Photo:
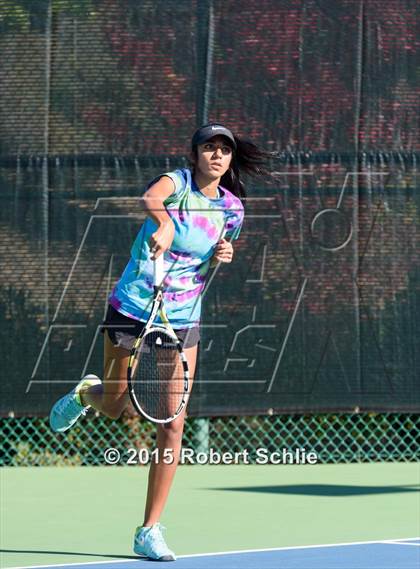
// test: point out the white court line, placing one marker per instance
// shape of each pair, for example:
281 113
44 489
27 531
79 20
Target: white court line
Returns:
403 540
224 553
293 547
402 543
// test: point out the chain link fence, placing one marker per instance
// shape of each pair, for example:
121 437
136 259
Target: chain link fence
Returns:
340 438
85 118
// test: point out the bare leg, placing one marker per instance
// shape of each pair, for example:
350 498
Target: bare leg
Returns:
111 397
160 474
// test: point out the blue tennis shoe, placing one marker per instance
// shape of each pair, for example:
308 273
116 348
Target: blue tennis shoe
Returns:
149 542
68 409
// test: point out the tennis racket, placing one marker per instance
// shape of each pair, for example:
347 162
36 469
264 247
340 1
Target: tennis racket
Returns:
157 373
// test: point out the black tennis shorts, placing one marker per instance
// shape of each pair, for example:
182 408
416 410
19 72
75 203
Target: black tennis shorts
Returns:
123 331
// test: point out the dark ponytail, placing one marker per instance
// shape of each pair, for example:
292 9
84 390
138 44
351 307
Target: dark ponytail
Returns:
247 158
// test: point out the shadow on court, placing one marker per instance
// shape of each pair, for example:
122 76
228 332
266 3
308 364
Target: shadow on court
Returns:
82 553
331 490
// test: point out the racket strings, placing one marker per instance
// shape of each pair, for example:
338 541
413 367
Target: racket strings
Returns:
159 378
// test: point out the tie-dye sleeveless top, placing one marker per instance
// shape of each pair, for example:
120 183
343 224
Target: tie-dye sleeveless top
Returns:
199 224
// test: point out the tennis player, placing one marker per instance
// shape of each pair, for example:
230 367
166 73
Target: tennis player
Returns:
188 212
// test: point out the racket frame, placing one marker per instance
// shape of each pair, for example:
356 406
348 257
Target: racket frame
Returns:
157 308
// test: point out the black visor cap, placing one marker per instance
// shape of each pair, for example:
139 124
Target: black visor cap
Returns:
207 131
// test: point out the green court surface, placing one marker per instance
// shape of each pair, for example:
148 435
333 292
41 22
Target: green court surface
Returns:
53 515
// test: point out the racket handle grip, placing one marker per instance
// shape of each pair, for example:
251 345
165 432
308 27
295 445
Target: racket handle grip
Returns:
158 271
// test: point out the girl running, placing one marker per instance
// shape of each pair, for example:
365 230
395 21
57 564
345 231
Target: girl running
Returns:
188 212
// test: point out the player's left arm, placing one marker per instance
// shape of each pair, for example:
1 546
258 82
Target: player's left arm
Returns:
223 253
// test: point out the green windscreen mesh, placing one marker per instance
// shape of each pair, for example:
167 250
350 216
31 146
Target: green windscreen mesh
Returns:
319 310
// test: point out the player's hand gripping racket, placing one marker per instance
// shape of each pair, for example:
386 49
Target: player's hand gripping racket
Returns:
158 379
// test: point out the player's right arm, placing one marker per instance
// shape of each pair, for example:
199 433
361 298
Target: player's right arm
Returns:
153 203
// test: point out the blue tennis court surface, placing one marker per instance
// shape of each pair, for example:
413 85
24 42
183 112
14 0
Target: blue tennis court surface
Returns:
390 554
